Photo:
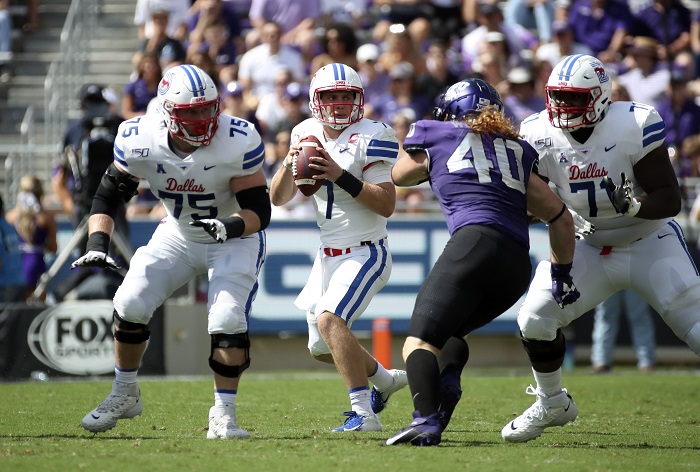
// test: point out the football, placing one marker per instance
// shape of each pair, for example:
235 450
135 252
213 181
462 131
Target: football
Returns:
303 174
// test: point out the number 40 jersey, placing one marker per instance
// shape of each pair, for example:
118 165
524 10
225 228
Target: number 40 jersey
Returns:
479 179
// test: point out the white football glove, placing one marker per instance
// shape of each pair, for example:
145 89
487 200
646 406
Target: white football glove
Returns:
214 227
96 259
582 227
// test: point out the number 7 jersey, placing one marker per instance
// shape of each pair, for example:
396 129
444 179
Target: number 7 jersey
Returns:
628 132
198 185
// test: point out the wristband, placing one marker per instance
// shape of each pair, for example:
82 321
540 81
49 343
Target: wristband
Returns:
285 165
235 226
98 241
560 270
563 209
349 183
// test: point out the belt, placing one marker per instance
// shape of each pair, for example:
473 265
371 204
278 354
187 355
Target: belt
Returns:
330 252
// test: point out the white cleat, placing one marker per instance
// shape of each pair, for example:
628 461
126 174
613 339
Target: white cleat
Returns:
379 398
222 424
368 422
123 402
556 410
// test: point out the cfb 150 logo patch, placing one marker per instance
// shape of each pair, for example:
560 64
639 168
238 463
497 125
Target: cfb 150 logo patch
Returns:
74 337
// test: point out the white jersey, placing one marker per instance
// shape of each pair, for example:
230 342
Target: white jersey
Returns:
367 150
629 131
197 186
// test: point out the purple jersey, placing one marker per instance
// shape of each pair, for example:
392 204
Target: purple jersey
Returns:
479 179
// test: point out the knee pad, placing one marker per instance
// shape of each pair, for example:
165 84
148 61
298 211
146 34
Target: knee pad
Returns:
128 332
545 351
225 341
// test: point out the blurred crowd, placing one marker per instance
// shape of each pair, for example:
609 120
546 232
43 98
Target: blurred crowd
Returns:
264 52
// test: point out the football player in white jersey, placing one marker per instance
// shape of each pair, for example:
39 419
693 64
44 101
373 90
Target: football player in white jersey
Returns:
609 164
353 261
206 168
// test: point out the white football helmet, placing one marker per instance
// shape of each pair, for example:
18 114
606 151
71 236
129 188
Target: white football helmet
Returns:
578 92
190 102
336 77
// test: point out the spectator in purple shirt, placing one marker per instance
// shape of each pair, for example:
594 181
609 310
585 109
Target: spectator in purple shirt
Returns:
668 21
374 79
521 100
139 92
296 18
602 26
402 94
204 11
680 114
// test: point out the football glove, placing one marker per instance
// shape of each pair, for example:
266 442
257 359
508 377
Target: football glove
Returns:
582 227
563 289
96 259
215 228
96 253
223 228
622 196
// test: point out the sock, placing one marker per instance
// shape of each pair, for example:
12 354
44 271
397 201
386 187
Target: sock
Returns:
125 376
359 400
224 397
424 381
548 383
453 356
381 378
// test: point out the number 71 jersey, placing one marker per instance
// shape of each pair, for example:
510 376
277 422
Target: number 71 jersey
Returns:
478 178
628 132
199 185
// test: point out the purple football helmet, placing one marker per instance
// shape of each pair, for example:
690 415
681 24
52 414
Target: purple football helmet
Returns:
464 97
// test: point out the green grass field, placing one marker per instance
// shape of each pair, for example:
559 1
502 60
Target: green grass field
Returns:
627 422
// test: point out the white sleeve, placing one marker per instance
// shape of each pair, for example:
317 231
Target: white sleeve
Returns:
377 173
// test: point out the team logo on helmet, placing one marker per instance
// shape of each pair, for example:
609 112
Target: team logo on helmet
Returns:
600 71
164 84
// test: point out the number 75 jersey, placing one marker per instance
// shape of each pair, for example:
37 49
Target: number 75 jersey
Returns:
628 132
199 185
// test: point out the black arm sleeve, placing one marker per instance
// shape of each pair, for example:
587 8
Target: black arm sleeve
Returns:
115 189
257 200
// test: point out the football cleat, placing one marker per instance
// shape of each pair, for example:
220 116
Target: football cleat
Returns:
379 398
556 410
423 431
222 424
357 422
123 402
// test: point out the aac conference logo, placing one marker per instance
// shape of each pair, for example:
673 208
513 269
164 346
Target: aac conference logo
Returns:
74 337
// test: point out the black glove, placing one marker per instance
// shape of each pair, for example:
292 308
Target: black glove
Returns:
96 253
563 289
622 196
223 228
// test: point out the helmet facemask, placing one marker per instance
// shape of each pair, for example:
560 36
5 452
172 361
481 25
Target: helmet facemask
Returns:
195 124
572 108
337 78
326 112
